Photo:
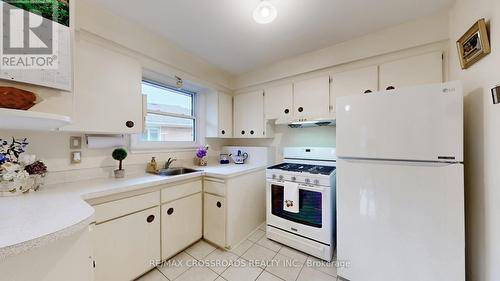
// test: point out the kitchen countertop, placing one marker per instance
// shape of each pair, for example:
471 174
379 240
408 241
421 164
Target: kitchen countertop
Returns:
32 220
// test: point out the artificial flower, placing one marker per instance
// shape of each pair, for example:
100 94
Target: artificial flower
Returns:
27 159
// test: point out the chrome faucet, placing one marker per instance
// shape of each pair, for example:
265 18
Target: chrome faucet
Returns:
169 162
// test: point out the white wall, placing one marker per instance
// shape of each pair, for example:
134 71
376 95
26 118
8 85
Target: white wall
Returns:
285 136
53 149
91 17
410 39
155 54
482 138
405 36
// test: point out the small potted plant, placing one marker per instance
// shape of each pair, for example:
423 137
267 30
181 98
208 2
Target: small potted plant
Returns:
201 153
119 154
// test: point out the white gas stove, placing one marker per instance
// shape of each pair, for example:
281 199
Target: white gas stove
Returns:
312 228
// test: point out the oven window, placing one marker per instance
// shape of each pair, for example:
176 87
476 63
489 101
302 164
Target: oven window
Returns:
310 212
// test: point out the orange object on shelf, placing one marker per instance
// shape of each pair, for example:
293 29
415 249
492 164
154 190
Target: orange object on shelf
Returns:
14 98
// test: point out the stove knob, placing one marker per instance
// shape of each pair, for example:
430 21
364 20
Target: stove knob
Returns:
316 181
281 177
273 176
294 178
308 180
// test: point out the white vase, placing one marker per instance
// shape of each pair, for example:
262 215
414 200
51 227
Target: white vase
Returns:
202 161
10 188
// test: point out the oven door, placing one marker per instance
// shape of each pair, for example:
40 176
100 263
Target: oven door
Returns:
315 217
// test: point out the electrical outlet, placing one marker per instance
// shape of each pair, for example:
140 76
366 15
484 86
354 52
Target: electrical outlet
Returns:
76 157
75 142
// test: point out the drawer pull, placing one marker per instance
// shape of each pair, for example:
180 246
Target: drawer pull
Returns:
219 204
287 111
252 132
390 88
243 132
223 132
170 211
367 91
150 218
301 109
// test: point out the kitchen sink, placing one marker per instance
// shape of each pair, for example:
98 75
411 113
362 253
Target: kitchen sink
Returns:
176 171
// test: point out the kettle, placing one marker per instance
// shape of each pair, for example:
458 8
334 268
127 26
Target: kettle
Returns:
239 158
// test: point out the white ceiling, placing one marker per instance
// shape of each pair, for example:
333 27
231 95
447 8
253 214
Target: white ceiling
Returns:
224 33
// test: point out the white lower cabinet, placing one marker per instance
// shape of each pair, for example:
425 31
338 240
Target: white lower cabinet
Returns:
126 247
181 224
68 258
233 207
214 219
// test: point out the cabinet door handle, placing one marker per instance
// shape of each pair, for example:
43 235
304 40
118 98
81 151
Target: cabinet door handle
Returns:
219 204
287 111
170 211
252 132
243 132
367 92
129 124
223 132
301 109
390 88
150 218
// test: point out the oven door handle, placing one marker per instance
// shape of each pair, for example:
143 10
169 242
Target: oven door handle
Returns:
319 188
313 188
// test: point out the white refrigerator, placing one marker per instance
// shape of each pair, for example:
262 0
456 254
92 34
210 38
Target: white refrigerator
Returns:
400 186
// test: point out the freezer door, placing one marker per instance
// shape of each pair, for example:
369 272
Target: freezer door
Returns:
400 221
419 123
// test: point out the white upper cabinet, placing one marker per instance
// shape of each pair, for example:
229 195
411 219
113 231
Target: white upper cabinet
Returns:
219 115
311 98
278 102
107 90
353 82
417 70
249 115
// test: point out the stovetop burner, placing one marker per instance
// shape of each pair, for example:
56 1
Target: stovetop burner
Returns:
303 168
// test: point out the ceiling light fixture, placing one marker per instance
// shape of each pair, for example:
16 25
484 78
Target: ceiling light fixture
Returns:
265 12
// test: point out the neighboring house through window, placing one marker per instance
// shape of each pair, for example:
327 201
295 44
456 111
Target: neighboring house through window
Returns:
170 118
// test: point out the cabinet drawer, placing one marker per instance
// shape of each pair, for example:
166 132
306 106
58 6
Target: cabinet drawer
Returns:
182 190
214 187
118 208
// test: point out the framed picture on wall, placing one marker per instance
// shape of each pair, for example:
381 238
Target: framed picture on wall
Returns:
474 44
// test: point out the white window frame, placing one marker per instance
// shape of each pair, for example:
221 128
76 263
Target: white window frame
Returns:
138 145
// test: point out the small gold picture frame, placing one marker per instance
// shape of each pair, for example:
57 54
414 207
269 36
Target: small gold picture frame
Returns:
474 44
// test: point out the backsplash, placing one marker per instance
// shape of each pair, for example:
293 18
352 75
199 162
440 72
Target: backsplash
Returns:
53 149
285 136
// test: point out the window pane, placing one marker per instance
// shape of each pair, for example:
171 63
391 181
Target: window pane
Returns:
166 128
167 100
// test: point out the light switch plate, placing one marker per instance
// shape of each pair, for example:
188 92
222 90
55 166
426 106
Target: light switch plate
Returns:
76 157
75 142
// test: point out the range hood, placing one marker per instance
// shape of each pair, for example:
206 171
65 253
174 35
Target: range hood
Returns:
312 123
328 120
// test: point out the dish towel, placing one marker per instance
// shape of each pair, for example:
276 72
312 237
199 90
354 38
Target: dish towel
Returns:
291 197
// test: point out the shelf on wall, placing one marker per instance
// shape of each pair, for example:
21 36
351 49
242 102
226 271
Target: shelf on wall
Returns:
31 120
